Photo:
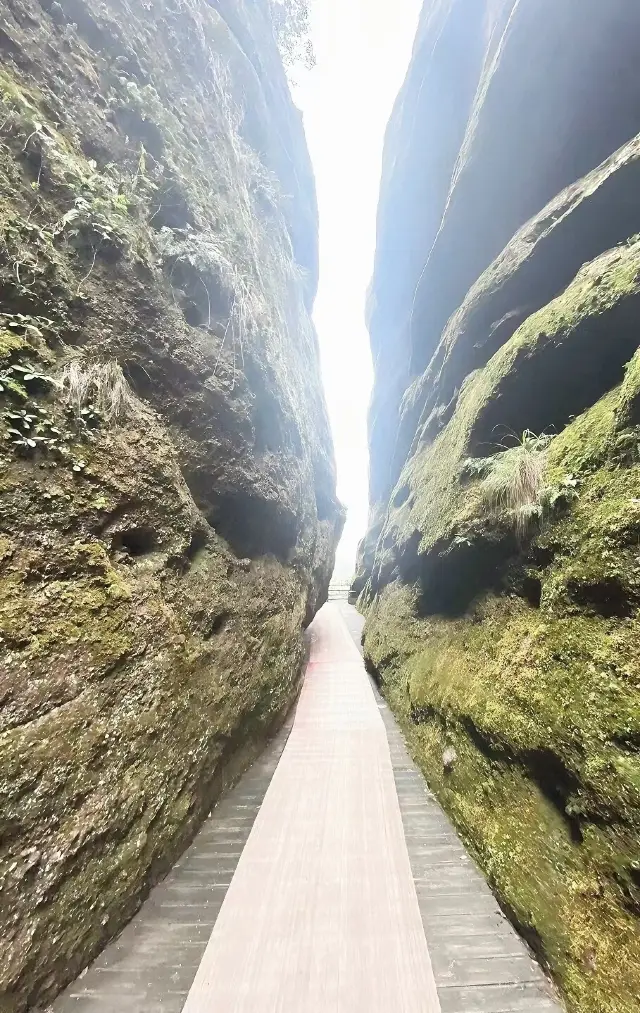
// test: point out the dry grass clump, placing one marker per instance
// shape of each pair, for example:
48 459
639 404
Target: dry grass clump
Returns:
98 385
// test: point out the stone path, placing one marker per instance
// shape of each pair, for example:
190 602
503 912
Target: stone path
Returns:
347 889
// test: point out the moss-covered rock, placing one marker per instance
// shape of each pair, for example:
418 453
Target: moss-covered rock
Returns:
167 490
537 689
500 575
437 520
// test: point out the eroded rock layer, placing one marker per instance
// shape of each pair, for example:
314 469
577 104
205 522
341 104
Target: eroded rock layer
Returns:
167 493
501 574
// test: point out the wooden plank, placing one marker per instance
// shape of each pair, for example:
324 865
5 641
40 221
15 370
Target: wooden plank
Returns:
333 879
466 969
529 998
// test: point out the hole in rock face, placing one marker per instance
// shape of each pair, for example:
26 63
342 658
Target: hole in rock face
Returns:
451 579
198 541
139 541
629 880
541 556
92 148
194 314
607 597
170 207
181 561
401 496
531 590
215 625
202 300
254 527
557 783
138 378
325 506
134 125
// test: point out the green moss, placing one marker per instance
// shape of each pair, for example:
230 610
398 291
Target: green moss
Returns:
82 611
534 678
629 406
436 505
523 697
11 346
543 707
19 98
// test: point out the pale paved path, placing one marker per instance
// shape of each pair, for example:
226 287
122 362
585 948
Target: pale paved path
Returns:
307 874
322 914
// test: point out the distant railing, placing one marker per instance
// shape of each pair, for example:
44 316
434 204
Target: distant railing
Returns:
339 590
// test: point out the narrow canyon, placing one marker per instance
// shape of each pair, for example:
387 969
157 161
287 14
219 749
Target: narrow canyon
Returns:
169 516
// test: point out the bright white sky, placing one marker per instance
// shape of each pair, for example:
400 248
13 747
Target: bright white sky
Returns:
363 49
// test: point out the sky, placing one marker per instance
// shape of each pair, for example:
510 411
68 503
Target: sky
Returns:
363 49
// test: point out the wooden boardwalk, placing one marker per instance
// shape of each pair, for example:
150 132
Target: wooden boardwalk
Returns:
346 889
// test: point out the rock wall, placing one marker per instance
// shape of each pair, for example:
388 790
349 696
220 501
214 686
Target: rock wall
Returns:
500 574
168 516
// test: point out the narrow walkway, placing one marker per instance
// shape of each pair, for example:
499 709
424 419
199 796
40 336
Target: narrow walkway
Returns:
349 890
322 914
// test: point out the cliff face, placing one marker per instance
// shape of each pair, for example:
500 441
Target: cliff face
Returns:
500 574
167 493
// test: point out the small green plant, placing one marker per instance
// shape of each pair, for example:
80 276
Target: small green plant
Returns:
32 327
9 383
89 223
21 440
559 495
33 427
19 380
25 435
30 375
89 218
106 211
92 394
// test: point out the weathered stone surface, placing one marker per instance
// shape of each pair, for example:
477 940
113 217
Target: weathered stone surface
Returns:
500 576
173 527
505 104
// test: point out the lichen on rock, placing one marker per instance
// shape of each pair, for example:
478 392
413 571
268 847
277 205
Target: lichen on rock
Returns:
500 576
167 487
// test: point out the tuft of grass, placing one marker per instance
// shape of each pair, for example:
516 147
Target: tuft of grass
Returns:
514 481
98 385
